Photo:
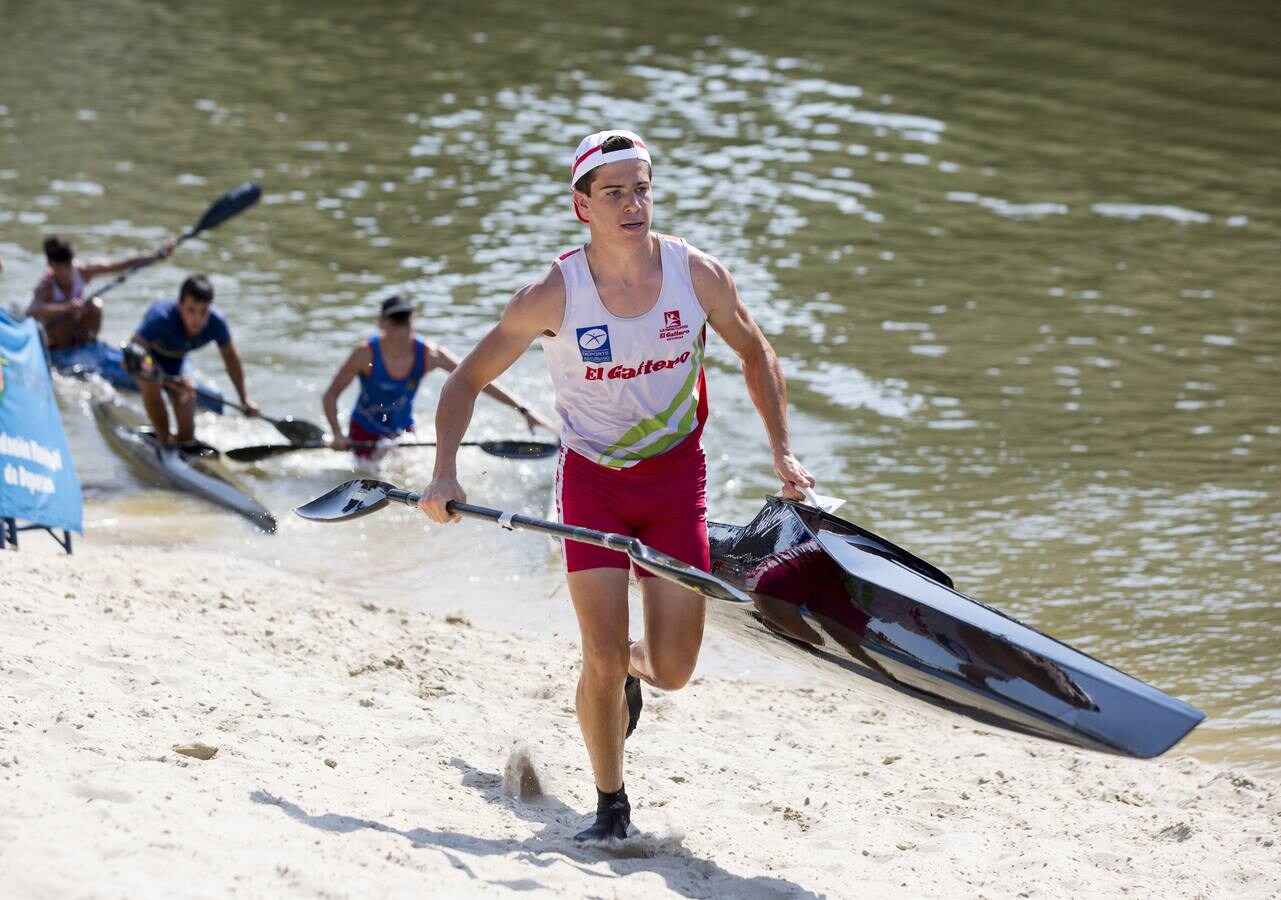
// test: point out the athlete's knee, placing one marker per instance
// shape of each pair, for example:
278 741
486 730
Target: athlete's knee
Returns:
670 673
605 662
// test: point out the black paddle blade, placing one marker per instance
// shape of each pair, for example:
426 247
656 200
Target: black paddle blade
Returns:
299 431
673 569
265 451
232 203
520 449
347 501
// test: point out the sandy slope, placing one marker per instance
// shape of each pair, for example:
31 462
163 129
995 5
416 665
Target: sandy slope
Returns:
363 752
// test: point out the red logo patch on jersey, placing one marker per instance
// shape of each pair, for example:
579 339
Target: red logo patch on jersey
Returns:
672 329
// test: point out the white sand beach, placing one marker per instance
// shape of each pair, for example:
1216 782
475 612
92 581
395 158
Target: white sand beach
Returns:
365 751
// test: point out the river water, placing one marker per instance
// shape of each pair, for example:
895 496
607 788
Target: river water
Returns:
1021 263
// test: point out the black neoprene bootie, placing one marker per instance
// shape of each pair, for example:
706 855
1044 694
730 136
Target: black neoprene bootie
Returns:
613 817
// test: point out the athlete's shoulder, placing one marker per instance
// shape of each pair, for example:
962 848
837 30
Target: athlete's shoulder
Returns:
217 317
546 290
713 285
161 310
539 306
710 276
361 356
44 287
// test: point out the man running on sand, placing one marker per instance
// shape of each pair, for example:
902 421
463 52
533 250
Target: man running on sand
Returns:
622 321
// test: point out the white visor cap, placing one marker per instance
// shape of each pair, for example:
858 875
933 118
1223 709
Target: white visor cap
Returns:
588 156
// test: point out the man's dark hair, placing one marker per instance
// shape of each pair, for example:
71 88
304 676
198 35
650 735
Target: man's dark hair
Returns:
197 287
612 143
58 249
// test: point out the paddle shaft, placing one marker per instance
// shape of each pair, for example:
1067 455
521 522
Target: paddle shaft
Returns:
527 449
229 204
207 393
619 542
296 430
129 273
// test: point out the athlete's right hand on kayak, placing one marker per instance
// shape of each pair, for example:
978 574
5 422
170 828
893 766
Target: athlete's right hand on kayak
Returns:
436 495
794 476
339 441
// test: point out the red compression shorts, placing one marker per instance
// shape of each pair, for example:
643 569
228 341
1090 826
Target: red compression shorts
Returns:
660 500
358 434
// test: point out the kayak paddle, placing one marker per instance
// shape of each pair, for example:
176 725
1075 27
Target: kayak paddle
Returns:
235 201
232 203
138 362
363 496
505 449
296 431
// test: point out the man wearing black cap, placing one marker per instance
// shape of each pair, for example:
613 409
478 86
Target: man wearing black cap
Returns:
390 366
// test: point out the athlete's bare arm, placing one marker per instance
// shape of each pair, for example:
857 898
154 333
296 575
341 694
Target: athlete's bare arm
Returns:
441 358
358 361
765 384
536 309
95 267
236 372
42 306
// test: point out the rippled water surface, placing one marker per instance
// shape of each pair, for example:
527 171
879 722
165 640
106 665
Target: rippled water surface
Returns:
1021 265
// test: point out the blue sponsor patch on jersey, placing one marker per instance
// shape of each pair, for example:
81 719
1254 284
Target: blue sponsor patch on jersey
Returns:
593 344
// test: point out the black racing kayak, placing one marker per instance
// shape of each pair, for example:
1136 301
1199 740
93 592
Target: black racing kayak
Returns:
193 470
829 593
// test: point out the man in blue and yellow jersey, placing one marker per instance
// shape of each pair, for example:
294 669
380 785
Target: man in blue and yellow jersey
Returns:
170 330
390 367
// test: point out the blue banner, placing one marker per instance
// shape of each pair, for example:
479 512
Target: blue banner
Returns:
38 480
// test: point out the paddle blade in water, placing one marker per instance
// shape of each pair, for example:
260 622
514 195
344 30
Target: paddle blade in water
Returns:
298 431
520 449
347 501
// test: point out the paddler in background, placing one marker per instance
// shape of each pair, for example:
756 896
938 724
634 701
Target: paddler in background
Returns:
170 330
391 366
59 301
622 324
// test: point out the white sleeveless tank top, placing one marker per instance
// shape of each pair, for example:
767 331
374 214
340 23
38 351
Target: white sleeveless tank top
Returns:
629 388
77 285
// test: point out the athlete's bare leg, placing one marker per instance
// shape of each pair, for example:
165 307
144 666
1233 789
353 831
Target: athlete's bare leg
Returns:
153 401
600 602
184 410
674 617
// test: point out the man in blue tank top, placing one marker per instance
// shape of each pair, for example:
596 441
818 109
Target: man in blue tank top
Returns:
170 330
391 366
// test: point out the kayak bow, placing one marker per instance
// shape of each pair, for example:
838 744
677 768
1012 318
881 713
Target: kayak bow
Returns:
832 595
129 434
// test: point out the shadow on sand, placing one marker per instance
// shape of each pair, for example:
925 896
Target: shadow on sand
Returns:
665 856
